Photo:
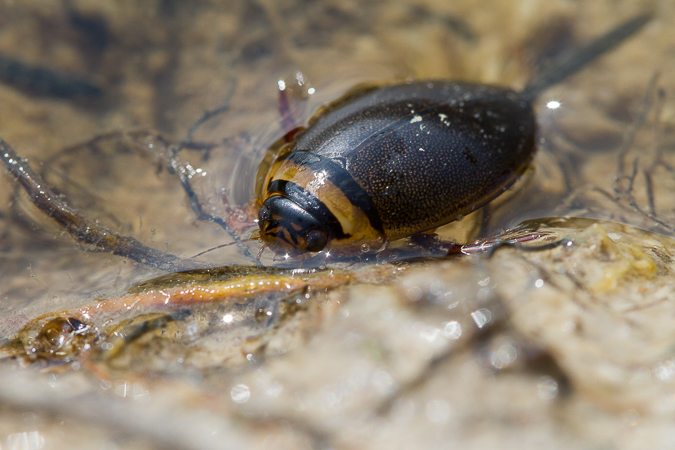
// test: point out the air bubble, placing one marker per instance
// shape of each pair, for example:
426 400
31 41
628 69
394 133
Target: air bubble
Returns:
240 393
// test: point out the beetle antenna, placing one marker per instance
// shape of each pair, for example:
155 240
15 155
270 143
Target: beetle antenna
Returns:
222 246
571 62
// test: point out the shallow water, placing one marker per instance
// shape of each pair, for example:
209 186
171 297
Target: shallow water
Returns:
606 140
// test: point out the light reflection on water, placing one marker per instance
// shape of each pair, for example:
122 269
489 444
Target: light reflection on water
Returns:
135 391
28 440
665 370
438 411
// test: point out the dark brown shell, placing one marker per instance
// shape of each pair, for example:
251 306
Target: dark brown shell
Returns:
425 152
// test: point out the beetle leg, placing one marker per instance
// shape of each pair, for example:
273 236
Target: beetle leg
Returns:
79 227
433 246
572 62
287 122
529 248
486 213
299 88
490 247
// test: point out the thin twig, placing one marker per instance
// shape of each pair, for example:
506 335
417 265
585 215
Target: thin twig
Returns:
83 230
207 115
633 202
650 192
637 124
184 176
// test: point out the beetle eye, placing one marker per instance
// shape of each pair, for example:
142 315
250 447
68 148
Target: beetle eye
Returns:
316 241
265 215
289 228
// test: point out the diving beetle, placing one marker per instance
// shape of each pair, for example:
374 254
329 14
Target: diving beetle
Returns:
383 163
379 164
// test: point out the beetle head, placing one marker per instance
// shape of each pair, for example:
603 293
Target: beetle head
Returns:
288 228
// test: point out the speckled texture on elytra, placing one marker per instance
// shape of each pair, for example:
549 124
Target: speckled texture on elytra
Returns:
427 152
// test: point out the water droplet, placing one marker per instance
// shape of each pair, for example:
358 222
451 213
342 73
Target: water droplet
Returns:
240 393
481 317
452 330
547 388
504 356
